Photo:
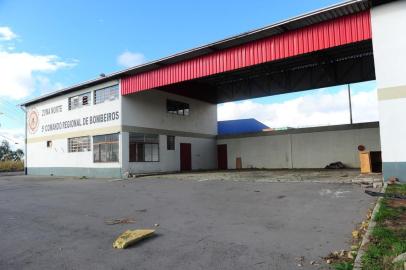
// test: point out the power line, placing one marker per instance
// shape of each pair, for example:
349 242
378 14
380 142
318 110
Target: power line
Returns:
7 138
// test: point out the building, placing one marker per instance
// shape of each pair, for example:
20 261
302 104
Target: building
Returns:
161 116
240 126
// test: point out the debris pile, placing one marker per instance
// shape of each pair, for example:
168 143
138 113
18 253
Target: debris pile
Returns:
335 165
341 256
119 221
392 180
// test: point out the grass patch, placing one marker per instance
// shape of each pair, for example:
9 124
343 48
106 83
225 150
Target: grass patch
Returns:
387 213
343 266
11 166
388 238
396 189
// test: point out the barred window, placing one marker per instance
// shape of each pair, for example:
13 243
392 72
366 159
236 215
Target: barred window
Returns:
144 147
170 142
106 94
105 148
177 107
79 144
79 101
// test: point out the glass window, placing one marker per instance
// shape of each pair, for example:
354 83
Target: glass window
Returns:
79 101
144 147
177 107
106 94
170 142
105 148
79 144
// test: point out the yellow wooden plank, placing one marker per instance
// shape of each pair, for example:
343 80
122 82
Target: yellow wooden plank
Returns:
130 237
365 161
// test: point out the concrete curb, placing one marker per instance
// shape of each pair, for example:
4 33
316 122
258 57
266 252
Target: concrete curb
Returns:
365 239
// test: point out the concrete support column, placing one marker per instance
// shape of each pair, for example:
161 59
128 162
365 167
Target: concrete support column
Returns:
389 44
124 151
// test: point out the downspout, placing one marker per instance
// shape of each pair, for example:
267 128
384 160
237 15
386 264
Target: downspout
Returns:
25 140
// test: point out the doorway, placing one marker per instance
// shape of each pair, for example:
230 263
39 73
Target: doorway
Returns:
185 157
222 157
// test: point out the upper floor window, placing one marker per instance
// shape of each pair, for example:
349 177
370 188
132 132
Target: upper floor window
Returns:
177 107
79 144
105 94
79 101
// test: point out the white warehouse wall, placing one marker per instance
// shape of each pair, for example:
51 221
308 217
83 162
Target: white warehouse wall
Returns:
303 148
389 43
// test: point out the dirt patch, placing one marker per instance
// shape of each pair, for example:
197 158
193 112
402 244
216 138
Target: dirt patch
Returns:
397 203
399 222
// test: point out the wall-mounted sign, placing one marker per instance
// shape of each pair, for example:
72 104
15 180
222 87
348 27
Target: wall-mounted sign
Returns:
84 121
52 110
33 121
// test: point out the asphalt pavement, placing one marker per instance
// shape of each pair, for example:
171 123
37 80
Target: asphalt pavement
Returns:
59 223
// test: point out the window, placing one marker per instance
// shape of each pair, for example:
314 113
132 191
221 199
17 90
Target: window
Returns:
170 142
79 144
177 107
105 94
49 144
79 101
144 147
105 148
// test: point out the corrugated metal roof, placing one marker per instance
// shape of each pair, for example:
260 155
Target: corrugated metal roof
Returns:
239 126
335 11
316 37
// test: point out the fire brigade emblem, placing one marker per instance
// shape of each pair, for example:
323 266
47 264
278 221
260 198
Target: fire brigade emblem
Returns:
33 121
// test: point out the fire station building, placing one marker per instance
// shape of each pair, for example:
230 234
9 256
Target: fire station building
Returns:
162 116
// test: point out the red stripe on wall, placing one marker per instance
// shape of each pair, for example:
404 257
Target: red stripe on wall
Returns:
337 32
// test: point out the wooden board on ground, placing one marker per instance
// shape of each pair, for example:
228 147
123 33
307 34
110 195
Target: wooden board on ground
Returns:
131 237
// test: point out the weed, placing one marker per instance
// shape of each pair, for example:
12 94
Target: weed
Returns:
388 238
396 189
343 266
386 212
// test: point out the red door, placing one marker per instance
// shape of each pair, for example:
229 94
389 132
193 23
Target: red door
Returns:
222 156
185 157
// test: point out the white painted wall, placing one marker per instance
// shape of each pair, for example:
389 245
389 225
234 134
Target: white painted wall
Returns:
389 44
302 150
40 156
203 155
148 109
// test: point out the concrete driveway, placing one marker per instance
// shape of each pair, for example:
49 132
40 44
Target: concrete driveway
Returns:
57 223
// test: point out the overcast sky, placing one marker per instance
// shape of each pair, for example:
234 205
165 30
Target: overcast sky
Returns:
53 44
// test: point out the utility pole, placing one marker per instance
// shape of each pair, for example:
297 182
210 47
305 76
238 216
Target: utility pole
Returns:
349 102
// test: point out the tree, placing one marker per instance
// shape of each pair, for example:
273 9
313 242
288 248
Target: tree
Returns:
19 154
6 153
4 149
